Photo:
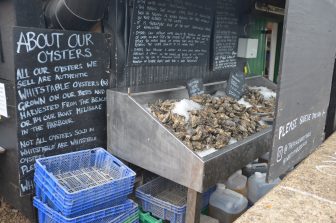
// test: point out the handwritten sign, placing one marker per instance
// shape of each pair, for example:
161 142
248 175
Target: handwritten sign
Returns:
61 80
226 35
195 87
170 31
236 85
303 96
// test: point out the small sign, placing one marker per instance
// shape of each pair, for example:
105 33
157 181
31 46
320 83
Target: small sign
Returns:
195 87
236 85
3 101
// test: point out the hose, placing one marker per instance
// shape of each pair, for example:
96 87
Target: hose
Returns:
74 14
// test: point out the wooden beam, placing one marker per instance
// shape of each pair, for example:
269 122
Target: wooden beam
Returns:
193 206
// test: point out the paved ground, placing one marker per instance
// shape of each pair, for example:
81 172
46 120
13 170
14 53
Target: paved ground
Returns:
307 194
10 215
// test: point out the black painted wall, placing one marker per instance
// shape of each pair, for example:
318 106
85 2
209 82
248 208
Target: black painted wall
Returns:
13 13
331 116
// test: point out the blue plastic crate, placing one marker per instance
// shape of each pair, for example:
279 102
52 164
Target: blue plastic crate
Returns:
47 195
133 219
48 215
167 200
78 181
90 206
206 197
45 185
130 216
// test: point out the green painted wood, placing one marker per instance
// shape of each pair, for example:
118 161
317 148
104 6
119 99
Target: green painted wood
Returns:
256 31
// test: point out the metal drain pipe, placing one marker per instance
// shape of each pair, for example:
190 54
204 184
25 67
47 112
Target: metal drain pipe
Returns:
74 14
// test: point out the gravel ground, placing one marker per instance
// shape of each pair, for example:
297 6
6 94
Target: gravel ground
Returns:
10 215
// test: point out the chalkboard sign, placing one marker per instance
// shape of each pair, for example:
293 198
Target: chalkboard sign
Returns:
236 85
305 84
226 35
168 32
61 81
195 87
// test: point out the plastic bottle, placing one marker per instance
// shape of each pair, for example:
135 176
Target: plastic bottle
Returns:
237 182
258 187
226 205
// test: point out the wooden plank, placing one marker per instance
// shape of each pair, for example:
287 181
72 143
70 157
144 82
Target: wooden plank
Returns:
193 206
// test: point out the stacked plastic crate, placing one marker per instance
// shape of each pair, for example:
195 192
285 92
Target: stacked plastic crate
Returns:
86 186
167 200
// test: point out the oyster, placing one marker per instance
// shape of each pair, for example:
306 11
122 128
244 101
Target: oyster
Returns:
221 141
164 118
178 121
197 145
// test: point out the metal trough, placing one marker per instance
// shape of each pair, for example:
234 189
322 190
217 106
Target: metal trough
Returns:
136 136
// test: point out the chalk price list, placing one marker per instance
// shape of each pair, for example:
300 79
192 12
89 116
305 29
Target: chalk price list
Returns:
170 31
61 97
226 35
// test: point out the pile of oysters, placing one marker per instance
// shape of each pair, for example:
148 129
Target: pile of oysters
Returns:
219 121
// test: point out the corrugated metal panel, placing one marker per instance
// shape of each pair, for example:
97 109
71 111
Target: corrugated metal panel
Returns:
154 75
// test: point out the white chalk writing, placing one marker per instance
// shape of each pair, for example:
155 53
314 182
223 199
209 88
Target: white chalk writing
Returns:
60 92
170 32
226 35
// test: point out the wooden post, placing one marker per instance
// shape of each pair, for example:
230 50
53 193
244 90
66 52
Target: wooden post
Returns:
193 207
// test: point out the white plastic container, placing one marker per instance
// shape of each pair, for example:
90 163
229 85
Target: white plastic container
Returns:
226 205
257 186
237 182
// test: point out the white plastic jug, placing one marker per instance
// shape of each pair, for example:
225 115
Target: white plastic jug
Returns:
258 187
226 205
237 182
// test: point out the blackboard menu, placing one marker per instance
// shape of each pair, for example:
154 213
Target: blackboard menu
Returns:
169 32
305 84
226 35
236 85
61 80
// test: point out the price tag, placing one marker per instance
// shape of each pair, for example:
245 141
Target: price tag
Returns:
195 87
236 85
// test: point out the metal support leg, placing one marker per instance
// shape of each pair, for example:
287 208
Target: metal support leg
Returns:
193 207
